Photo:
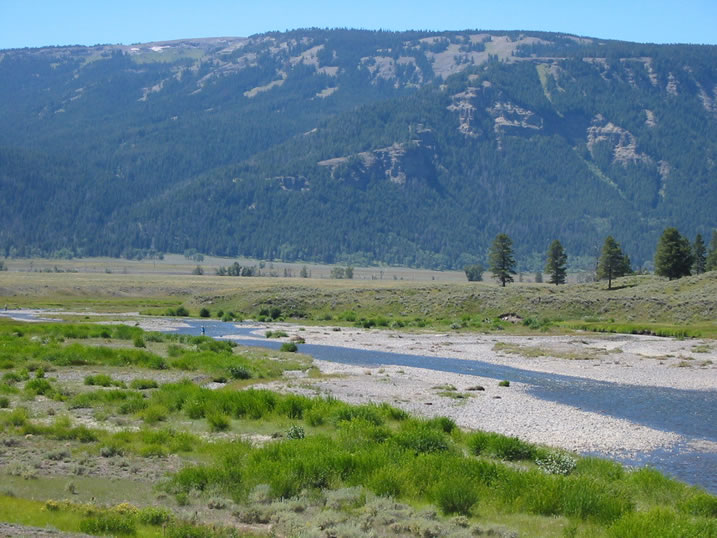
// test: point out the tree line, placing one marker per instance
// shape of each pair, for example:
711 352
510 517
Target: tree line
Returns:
675 257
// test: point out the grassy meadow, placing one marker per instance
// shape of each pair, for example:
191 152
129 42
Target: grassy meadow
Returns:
637 304
110 430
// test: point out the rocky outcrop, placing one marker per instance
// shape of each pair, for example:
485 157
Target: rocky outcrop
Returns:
506 115
398 163
622 142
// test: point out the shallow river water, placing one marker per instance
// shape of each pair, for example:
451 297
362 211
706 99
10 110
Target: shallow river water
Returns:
691 414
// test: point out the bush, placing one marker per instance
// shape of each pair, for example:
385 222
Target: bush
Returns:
218 422
181 311
456 495
386 482
276 334
154 414
4 402
152 515
512 448
557 463
443 424
143 384
421 438
504 383
139 342
289 347
239 372
39 386
295 432
102 380
112 524
205 313
507 448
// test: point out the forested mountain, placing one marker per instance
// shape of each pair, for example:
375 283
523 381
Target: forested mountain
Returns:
411 148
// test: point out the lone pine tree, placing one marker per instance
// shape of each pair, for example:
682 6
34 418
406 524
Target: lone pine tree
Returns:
502 262
613 262
556 265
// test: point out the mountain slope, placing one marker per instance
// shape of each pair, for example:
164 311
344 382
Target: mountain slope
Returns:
410 148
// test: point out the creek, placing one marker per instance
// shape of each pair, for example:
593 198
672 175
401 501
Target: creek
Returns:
688 413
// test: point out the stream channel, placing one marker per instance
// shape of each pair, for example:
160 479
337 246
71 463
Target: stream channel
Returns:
692 414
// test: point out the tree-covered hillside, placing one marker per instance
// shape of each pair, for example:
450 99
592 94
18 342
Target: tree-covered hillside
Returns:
408 148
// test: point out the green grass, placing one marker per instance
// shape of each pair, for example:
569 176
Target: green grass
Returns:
638 303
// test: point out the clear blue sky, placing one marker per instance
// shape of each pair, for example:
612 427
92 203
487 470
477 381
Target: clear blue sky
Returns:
35 23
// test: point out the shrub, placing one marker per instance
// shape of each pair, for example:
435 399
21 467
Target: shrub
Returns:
276 334
512 448
295 432
504 383
154 414
39 386
386 482
218 422
349 315
479 442
205 313
507 448
113 524
421 438
111 451
456 495
4 402
139 342
239 372
557 463
587 498
101 380
153 515
443 424
181 311
600 468
289 347
143 384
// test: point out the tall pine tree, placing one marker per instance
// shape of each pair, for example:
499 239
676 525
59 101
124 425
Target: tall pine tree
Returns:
556 263
502 263
613 263
673 257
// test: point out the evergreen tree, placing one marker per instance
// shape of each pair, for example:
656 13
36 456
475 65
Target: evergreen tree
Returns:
502 263
613 262
699 253
711 262
556 263
673 257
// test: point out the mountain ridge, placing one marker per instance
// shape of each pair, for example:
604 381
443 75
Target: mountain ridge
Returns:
411 148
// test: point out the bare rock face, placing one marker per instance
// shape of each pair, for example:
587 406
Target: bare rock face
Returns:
398 163
507 116
622 141
463 104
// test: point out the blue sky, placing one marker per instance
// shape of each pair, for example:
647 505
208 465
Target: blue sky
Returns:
35 23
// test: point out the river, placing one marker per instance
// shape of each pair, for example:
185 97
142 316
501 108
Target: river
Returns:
688 413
